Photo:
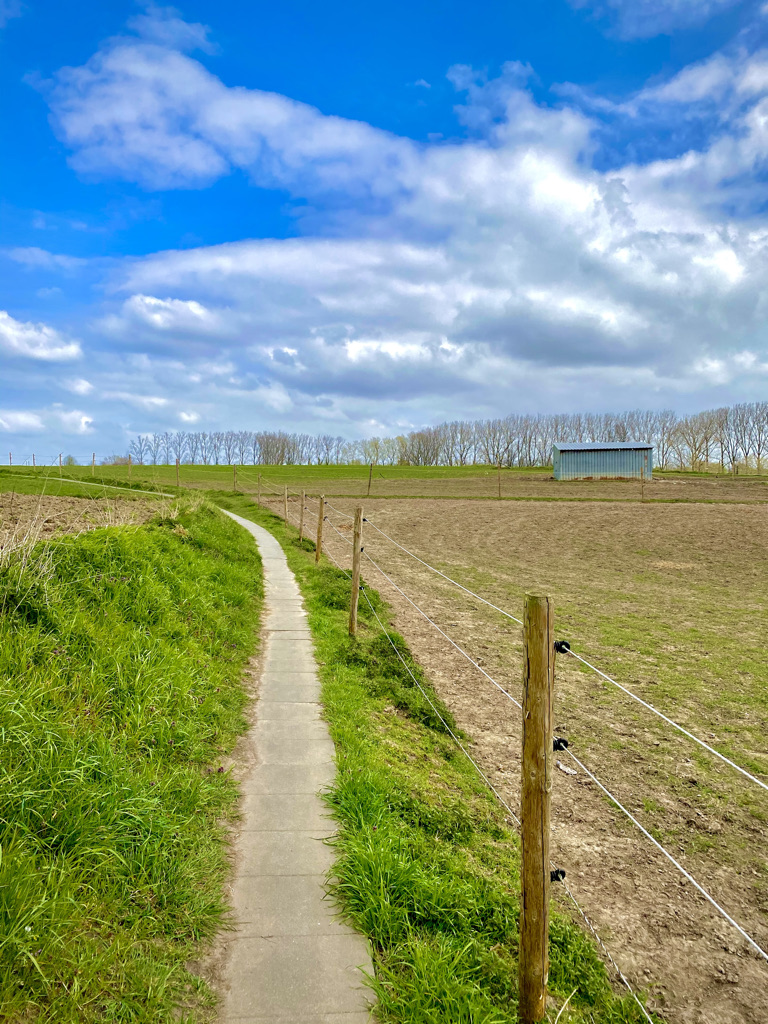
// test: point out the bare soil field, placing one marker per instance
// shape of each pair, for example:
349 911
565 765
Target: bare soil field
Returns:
671 600
32 517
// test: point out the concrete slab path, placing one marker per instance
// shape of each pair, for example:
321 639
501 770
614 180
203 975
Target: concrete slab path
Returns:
290 959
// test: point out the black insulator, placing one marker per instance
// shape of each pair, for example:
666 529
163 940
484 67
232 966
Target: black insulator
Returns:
557 875
562 646
559 743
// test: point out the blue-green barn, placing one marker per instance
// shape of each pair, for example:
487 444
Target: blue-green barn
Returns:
576 460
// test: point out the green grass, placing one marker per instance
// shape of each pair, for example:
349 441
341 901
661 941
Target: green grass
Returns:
47 481
121 654
427 867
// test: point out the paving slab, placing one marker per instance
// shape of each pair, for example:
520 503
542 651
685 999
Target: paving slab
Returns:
290 958
289 778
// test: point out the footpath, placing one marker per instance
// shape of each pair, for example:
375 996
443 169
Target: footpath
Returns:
290 960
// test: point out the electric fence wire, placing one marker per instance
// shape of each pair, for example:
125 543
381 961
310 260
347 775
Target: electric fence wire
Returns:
337 511
442 632
439 573
669 857
620 974
447 728
477 768
670 721
624 689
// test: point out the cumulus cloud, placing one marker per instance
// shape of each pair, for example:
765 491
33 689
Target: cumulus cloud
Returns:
548 256
20 422
78 386
35 341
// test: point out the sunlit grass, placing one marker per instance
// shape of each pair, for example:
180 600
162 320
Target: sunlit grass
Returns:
121 653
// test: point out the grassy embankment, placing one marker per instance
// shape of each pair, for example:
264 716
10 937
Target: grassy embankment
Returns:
428 867
121 653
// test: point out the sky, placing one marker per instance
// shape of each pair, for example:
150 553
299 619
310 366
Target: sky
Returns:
363 219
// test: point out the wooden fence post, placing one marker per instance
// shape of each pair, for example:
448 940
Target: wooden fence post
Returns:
536 788
301 516
499 481
357 550
130 465
285 503
177 473
60 454
258 491
234 478
319 541
93 464
370 477
33 461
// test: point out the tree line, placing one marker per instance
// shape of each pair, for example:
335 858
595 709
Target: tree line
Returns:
733 438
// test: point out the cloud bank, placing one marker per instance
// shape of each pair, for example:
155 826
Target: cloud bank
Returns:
555 253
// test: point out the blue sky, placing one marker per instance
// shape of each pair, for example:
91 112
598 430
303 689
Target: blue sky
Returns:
350 220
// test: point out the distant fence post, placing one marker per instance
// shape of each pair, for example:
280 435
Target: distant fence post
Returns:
536 787
258 491
60 454
10 458
130 465
320 516
301 516
285 503
234 478
370 478
93 464
33 461
357 550
177 473
499 480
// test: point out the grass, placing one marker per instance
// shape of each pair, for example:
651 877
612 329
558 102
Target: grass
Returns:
428 867
121 654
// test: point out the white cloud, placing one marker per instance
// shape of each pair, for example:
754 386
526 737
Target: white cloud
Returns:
20 422
78 386
73 421
460 278
640 19
40 259
35 341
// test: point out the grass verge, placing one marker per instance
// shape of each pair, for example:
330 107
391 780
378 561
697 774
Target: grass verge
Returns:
428 867
121 654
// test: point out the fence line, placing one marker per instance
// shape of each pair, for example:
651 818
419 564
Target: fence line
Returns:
634 696
669 857
720 910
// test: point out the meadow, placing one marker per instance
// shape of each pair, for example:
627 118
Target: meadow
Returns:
662 588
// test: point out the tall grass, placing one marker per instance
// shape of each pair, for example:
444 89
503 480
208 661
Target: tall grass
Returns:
120 689
428 866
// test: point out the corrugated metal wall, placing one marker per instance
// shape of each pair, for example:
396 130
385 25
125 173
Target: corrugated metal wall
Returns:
603 462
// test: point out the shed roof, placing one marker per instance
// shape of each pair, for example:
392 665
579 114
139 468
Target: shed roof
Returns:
592 446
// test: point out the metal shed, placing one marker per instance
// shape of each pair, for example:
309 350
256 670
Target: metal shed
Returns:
573 460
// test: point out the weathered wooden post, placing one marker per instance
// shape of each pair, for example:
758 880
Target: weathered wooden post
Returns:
60 454
10 458
34 464
93 463
357 550
130 464
285 503
234 478
301 516
177 473
536 788
258 491
320 517
370 478
499 481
